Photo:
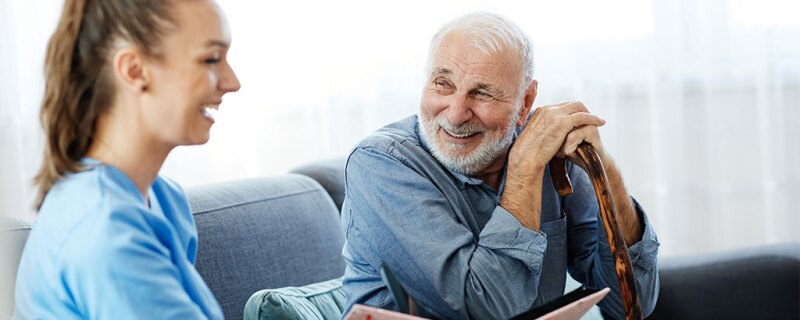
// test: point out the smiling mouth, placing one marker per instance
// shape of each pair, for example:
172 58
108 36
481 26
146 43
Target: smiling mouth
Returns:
460 135
210 111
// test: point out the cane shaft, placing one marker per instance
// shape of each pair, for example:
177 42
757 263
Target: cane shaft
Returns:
622 261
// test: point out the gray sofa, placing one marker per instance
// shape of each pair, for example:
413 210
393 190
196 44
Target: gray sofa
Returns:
284 231
253 234
265 233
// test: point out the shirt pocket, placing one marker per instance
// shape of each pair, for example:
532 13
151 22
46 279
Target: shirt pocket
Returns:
555 228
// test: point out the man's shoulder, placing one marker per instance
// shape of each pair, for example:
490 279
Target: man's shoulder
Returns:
400 133
396 143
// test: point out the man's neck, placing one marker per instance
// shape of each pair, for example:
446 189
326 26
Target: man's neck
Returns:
493 173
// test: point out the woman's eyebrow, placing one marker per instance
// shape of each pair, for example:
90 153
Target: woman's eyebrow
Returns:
218 43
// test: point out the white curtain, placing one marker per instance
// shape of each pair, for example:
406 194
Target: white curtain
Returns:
702 98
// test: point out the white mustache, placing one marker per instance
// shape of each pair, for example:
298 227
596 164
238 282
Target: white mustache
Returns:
463 129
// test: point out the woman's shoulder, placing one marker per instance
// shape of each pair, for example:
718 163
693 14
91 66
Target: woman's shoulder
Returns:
100 197
168 186
80 209
94 186
173 203
103 199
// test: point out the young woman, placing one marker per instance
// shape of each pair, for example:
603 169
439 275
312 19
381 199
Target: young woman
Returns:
126 82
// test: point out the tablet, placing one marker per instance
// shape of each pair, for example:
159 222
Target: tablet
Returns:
363 312
572 311
571 306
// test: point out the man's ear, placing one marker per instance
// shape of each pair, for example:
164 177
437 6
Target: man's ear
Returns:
131 71
530 95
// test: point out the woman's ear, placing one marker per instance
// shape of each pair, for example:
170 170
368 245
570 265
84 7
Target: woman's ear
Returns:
131 71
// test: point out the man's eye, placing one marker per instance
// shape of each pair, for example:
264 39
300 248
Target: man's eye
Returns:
440 83
484 94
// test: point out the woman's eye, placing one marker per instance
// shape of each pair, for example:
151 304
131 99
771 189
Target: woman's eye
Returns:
213 60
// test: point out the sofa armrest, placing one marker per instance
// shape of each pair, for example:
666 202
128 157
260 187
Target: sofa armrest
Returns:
13 234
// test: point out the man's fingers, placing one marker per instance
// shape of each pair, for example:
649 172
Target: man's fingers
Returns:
575 137
576 106
562 109
536 112
562 103
572 141
581 119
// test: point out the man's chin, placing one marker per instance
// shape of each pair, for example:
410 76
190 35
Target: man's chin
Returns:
459 163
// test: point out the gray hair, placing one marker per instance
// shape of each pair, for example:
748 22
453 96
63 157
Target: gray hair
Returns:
490 33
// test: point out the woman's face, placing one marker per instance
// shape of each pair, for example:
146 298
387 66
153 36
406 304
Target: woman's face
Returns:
191 76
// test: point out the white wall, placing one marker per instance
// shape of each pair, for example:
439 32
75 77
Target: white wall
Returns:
702 98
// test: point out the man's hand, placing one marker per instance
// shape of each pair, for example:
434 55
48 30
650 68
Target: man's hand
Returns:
542 138
555 130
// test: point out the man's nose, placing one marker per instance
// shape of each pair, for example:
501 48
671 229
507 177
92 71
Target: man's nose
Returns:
458 110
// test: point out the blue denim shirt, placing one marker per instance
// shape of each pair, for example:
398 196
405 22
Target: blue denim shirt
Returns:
457 251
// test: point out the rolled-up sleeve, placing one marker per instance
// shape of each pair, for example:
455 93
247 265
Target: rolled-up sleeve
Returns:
590 258
397 215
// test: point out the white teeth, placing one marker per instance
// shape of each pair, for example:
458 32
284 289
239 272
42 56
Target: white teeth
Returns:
210 111
460 136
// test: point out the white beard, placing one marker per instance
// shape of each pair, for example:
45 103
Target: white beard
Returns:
494 144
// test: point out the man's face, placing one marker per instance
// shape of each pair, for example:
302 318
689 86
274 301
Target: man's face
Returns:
470 104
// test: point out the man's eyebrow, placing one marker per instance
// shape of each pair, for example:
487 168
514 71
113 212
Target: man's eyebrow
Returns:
217 43
441 71
487 87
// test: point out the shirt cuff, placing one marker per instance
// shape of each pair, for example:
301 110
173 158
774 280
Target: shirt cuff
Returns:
645 252
504 234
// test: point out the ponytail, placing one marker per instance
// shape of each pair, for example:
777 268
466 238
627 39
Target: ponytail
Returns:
78 80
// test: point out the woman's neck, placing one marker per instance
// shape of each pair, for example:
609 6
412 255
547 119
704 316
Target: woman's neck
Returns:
122 145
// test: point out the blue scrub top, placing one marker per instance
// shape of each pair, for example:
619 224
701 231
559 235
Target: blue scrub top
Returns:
98 251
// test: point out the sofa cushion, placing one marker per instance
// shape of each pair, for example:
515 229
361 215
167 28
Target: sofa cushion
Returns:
265 233
318 301
330 174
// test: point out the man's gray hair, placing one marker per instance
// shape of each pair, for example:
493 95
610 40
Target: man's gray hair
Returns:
490 33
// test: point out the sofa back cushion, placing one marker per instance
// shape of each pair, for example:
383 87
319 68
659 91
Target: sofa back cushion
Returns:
330 174
265 233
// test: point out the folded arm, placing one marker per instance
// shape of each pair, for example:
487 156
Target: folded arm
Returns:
591 262
399 216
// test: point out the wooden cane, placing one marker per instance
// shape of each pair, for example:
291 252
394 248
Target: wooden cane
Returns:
622 262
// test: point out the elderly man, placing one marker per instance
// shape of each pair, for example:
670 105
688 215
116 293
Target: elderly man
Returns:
459 201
